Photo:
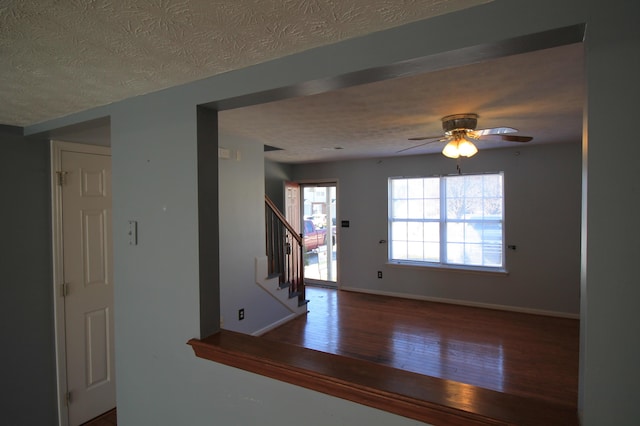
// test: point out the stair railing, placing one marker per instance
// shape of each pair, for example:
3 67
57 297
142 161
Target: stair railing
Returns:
285 251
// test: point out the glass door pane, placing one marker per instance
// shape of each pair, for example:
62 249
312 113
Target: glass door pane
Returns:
319 231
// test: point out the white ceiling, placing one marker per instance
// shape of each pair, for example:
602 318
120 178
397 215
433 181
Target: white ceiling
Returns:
538 93
61 57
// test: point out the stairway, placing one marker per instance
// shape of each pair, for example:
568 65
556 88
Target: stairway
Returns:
280 292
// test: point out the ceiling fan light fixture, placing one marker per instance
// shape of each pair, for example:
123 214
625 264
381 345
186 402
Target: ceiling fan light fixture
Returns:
467 148
461 134
451 149
460 145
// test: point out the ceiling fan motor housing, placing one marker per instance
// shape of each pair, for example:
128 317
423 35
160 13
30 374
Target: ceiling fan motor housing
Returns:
465 122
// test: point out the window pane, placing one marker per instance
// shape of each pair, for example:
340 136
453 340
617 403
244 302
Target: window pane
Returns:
414 188
414 251
399 188
473 254
415 231
455 232
455 253
492 254
415 209
455 208
491 232
432 188
399 209
432 208
399 250
493 185
431 252
399 231
473 186
473 207
473 232
454 186
432 232
493 208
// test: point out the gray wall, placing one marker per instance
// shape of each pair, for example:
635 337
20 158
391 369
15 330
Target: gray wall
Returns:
275 174
159 380
156 283
27 358
542 218
242 230
610 326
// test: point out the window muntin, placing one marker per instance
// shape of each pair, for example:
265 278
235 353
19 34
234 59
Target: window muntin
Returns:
447 220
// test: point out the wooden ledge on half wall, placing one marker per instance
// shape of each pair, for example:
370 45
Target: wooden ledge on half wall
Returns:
427 399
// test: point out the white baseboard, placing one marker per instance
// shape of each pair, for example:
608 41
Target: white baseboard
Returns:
466 303
276 324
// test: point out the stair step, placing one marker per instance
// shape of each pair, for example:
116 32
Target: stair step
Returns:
302 303
284 285
294 294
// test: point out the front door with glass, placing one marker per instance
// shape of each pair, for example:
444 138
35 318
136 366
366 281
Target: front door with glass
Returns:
319 231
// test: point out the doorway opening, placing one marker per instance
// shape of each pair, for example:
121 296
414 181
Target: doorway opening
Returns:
318 224
83 281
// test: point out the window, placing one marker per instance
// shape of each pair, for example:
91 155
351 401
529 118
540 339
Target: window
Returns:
452 221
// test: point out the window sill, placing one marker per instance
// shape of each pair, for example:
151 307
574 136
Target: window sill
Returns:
447 268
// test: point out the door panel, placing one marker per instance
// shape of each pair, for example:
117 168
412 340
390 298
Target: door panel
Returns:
97 347
94 250
88 304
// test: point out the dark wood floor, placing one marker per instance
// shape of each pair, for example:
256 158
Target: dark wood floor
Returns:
526 355
110 418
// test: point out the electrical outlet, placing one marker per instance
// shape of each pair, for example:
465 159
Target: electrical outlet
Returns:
240 314
379 274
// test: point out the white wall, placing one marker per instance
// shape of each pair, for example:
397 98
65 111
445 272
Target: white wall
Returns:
542 219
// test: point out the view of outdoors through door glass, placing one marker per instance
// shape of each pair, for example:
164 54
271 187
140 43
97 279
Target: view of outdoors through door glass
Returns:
319 232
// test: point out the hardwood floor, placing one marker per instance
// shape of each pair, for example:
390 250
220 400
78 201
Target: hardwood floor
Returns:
519 354
110 418
526 358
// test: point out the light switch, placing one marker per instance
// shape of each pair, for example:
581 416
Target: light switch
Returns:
133 233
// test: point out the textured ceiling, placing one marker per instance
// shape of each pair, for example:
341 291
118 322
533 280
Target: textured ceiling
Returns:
61 57
539 93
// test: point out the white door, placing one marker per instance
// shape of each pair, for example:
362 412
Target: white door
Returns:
292 204
88 284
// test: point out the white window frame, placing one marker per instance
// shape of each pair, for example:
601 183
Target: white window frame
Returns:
442 222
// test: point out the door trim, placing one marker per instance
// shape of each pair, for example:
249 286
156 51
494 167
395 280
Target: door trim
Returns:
57 148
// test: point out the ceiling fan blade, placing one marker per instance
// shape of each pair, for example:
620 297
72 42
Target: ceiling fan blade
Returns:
494 131
422 144
508 138
422 138
514 138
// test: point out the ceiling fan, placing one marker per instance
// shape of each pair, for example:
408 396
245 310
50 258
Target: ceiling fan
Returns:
460 133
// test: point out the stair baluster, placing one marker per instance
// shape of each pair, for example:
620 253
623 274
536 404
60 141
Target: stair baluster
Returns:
285 251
